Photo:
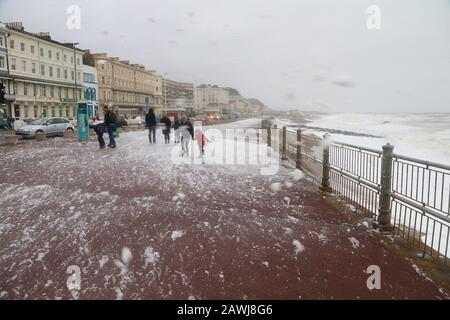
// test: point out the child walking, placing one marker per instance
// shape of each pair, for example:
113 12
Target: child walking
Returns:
201 141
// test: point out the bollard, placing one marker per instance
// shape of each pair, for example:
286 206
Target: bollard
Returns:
298 162
384 217
284 145
11 139
326 164
68 134
41 136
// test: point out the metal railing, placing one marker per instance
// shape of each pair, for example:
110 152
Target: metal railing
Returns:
409 196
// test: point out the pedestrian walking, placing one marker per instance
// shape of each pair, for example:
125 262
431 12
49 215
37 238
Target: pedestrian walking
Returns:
166 130
110 124
99 128
201 141
176 128
187 133
10 121
150 121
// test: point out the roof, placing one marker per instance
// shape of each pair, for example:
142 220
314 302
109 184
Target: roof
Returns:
43 36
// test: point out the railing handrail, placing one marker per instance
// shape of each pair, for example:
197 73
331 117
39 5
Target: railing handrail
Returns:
352 178
378 152
420 206
424 162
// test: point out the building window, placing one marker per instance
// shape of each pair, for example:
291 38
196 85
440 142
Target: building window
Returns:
25 89
65 74
1 41
52 91
50 71
58 72
22 46
42 52
13 64
71 60
2 62
72 74
49 54
59 92
42 70
57 56
32 49
11 44
65 58
33 67
35 90
24 66
78 61
78 76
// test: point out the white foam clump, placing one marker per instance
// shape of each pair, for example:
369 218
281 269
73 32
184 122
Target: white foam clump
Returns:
299 248
151 256
355 242
126 255
275 187
179 196
297 175
103 261
177 234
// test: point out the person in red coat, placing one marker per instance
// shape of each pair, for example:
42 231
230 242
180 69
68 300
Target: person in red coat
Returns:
201 141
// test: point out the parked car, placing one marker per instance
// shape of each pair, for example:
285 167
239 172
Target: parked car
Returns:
51 126
201 118
27 121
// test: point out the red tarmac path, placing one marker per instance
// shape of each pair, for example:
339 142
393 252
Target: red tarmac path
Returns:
142 227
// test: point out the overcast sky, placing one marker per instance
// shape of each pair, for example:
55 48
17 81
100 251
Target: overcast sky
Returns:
304 54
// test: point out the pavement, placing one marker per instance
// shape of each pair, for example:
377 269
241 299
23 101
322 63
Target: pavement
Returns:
141 225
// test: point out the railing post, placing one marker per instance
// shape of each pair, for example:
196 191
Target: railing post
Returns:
326 164
276 138
284 145
298 162
384 217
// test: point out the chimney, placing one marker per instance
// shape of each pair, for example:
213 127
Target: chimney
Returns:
15 25
43 35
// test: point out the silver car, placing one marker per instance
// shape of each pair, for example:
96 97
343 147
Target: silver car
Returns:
51 126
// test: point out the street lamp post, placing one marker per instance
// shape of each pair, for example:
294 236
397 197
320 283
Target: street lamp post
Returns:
75 64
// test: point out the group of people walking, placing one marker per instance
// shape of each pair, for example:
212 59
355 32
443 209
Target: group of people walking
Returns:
184 130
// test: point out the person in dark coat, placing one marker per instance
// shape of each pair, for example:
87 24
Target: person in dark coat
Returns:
150 121
167 126
99 128
10 121
187 133
176 127
110 125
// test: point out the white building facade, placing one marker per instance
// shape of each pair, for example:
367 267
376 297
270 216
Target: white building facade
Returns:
211 99
47 74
